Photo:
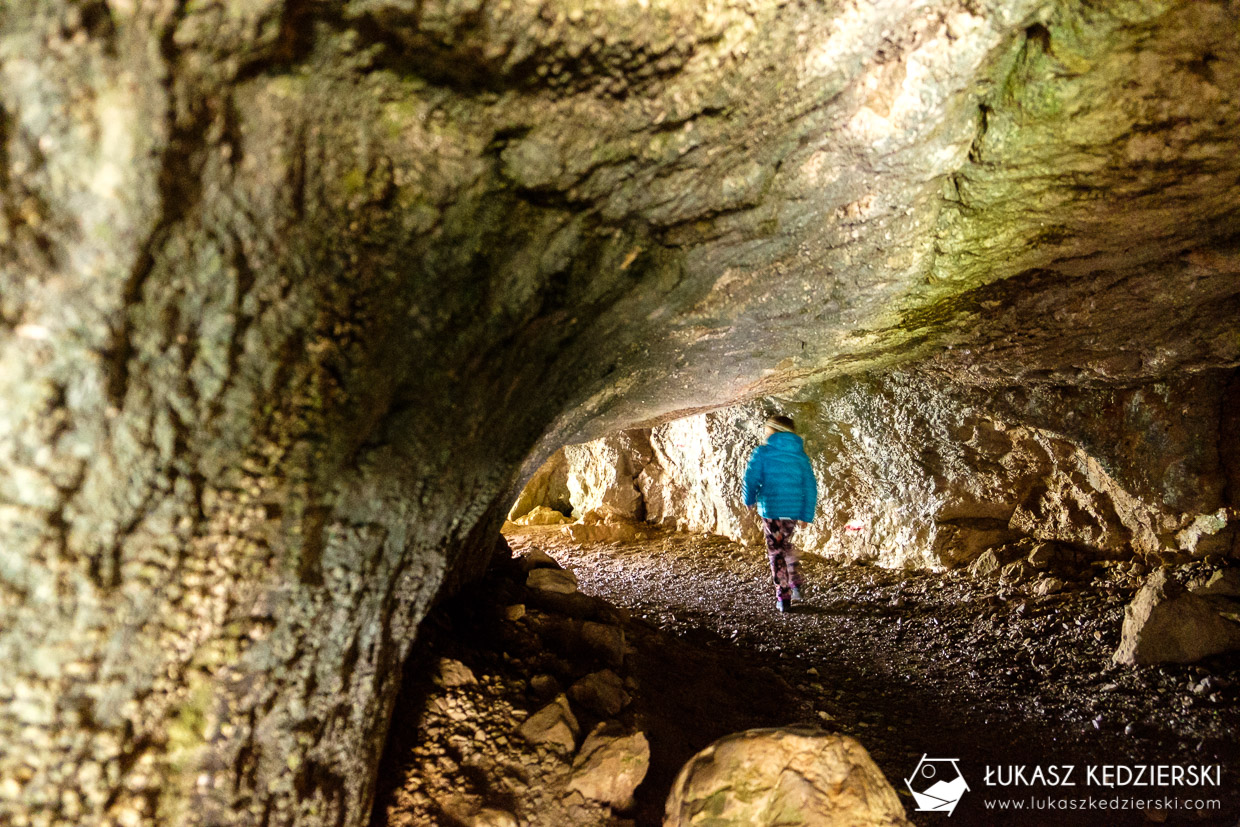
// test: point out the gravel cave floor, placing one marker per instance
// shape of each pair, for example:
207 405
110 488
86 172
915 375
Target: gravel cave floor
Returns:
908 663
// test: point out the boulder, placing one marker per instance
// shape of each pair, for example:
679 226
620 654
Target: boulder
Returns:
1167 624
986 565
536 558
545 686
555 581
493 817
547 487
795 776
553 725
610 765
1016 572
601 692
542 515
1042 555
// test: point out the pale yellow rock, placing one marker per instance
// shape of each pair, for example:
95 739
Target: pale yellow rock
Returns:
452 673
554 725
791 777
542 515
610 766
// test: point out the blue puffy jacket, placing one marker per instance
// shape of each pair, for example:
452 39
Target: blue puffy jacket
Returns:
780 481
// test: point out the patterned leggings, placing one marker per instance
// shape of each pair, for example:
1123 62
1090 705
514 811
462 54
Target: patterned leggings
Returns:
784 566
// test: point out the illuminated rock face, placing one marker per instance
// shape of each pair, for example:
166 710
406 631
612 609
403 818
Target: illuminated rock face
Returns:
292 298
917 471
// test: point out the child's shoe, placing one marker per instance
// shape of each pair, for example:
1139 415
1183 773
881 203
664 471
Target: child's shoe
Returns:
796 594
783 604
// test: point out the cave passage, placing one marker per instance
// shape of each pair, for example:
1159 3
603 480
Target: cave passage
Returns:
999 657
300 300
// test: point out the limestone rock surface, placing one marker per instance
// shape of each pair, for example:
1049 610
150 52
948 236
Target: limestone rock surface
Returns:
917 471
554 725
543 515
783 776
610 765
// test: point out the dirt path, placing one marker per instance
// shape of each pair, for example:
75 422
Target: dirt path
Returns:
909 664
915 664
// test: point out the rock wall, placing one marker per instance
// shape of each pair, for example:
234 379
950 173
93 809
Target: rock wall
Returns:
547 487
293 295
917 471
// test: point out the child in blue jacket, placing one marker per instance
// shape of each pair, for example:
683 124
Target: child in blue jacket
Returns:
781 483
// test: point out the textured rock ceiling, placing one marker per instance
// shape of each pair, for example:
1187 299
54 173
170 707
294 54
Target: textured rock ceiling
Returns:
289 290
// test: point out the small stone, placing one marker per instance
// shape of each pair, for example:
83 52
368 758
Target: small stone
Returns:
1016 572
1041 555
452 674
1222 583
1047 586
515 612
545 685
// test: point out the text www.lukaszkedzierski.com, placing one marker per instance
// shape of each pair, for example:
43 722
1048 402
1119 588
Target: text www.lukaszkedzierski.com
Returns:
1087 803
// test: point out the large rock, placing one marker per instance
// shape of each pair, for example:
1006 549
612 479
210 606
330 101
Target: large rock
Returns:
783 776
553 725
610 765
543 515
554 581
600 692
1167 624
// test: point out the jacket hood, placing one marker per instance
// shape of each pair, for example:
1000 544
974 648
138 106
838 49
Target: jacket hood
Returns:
784 441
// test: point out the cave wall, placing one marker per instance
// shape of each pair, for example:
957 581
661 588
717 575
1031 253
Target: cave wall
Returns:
295 295
547 487
916 470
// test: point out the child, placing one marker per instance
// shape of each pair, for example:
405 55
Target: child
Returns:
780 481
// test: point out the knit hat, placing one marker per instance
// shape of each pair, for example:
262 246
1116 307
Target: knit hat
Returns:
781 423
